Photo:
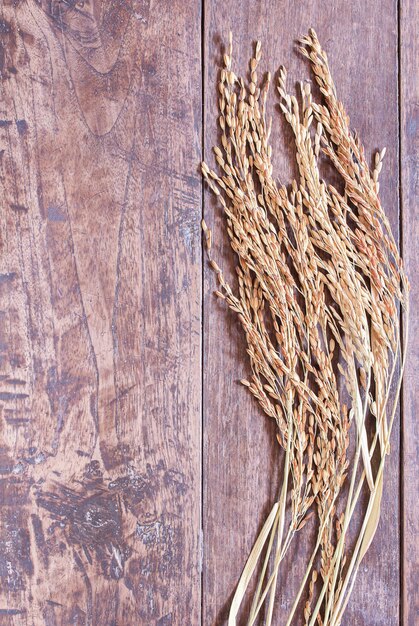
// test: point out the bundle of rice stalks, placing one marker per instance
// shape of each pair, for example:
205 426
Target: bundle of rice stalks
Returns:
319 286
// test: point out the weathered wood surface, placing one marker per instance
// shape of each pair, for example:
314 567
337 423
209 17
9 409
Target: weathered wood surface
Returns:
409 109
102 109
241 459
100 282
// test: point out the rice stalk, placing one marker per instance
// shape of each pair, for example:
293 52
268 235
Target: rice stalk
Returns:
320 286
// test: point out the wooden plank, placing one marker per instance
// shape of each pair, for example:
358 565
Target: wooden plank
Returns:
240 455
100 289
409 109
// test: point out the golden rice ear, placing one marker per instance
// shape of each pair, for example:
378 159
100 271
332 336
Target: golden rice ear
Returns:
319 281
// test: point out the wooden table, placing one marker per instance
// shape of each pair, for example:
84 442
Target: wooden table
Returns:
132 463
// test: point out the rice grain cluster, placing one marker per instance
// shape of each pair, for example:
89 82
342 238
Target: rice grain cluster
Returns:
320 286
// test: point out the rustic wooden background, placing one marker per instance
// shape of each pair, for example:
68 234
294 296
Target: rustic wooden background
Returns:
131 462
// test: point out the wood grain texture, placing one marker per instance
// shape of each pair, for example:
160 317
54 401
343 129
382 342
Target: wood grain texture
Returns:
101 121
409 116
100 283
241 459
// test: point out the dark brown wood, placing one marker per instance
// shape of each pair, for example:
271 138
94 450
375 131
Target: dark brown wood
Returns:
409 115
100 308
100 290
240 454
